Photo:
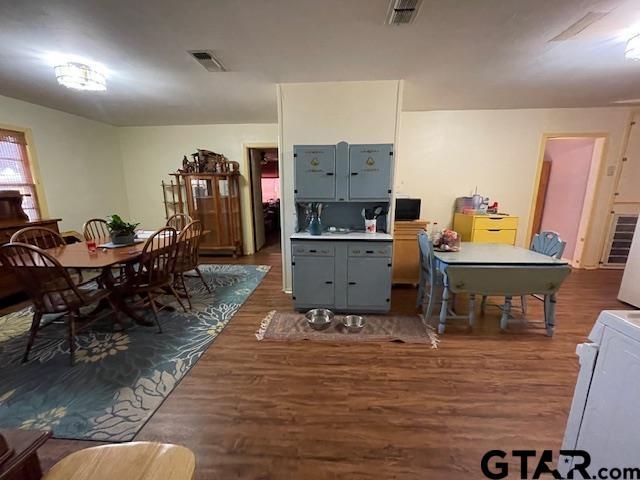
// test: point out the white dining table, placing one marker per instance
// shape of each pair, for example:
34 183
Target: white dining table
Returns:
496 255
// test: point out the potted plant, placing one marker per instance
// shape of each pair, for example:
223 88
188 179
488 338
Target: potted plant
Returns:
122 233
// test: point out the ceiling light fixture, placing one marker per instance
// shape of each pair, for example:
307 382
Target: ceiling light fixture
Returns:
632 51
80 76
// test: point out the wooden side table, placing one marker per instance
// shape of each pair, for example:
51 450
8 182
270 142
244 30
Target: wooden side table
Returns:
20 461
406 255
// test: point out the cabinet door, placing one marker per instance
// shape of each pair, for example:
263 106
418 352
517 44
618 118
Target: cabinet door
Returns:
369 282
370 172
313 281
315 168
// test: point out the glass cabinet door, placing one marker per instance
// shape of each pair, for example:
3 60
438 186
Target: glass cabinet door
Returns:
205 207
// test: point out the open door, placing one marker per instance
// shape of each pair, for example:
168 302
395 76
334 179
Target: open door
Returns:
255 157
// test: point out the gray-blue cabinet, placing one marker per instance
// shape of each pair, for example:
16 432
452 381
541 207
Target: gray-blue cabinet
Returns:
343 276
370 172
343 172
315 172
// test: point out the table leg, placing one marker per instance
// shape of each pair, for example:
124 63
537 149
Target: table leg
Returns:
444 309
550 317
506 310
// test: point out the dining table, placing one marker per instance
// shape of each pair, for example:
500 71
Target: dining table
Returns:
518 267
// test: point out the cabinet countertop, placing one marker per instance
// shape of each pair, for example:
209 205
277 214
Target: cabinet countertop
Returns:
355 236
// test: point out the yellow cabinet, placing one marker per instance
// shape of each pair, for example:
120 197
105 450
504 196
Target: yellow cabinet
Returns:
406 254
486 228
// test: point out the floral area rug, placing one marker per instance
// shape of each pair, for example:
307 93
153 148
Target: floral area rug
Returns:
120 378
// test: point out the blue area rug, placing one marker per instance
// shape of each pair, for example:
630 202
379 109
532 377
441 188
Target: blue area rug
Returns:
120 378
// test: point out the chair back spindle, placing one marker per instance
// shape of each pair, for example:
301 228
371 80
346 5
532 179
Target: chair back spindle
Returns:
41 237
179 221
157 260
548 243
96 229
188 247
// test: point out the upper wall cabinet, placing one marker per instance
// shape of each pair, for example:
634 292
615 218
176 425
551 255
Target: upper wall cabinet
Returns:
315 172
343 172
370 168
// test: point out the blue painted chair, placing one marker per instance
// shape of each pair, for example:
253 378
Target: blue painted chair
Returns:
547 243
430 278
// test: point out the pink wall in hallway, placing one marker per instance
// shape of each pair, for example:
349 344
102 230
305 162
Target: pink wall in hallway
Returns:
570 164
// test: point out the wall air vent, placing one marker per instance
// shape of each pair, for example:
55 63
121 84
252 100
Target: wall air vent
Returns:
402 12
208 60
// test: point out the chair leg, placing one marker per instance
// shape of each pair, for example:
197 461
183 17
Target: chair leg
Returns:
186 292
72 337
177 297
523 304
506 311
472 310
202 278
483 304
429 311
35 325
154 308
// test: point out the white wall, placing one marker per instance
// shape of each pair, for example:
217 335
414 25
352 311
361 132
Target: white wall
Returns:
327 113
446 154
78 160
149 154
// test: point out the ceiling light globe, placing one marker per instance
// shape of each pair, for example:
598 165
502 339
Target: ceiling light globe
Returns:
80 77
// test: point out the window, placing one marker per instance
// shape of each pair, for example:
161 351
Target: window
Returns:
15 173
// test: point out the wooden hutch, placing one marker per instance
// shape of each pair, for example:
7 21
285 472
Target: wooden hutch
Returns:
208 189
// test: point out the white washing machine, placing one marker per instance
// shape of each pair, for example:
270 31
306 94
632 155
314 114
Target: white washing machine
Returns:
605 412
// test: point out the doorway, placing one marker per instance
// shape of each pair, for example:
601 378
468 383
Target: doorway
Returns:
264 183
568 179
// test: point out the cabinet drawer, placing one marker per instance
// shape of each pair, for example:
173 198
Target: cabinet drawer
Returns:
315 249
371 249
494 236
492 223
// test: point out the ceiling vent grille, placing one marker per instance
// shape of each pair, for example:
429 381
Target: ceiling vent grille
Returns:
402 12
207 59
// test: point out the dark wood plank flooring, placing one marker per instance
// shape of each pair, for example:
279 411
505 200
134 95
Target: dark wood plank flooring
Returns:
267 410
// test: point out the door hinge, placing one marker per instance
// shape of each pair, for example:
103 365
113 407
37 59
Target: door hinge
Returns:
295 155
294 297
624 159
295 191
293 263
388 300
388 264
391 152
389 191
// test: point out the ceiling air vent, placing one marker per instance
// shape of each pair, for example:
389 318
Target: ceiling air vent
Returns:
208 60
402 12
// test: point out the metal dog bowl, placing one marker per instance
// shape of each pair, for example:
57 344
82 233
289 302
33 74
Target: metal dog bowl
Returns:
319 318
353 323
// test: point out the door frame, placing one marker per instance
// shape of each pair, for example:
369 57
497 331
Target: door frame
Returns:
247 193
589 203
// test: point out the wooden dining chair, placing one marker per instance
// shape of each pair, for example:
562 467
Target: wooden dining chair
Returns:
51 289
430 279
41 237
152 276
179 221
95 229
187 258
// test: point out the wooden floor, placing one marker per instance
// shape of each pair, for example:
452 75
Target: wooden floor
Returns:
268 410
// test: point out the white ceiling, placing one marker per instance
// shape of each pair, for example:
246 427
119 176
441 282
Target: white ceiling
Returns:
458 54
